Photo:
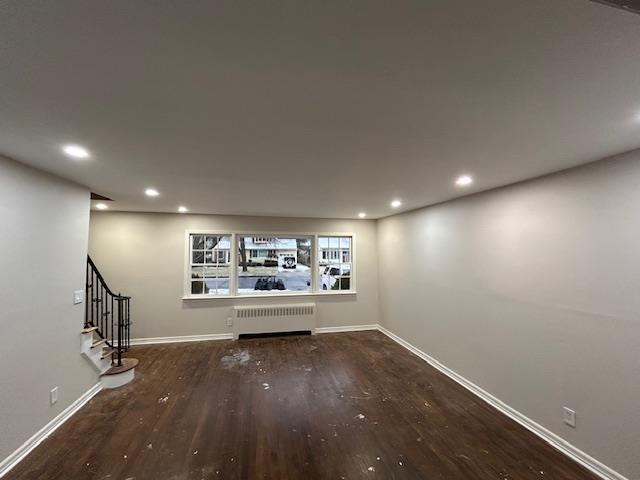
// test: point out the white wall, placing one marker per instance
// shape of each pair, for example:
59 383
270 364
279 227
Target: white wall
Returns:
43 241
532 292
142 255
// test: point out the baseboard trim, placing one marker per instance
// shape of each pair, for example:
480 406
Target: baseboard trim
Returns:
229 336
348 328
185 338
24 450
548 436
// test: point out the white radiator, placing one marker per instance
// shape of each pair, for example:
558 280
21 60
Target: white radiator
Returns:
299 317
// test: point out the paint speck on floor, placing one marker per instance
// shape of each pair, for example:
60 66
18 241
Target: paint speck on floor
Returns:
240 358
360 416
371 469
266 386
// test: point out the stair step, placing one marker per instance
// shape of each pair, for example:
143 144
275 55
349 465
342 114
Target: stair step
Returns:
127 364
88 330
107 352
98 343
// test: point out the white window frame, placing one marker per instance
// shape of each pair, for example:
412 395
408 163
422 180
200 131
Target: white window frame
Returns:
352 280
187 265
233 262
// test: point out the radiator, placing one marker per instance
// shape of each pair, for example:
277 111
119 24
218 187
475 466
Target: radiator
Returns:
274 319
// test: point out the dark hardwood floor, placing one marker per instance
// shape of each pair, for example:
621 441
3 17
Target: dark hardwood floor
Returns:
334 406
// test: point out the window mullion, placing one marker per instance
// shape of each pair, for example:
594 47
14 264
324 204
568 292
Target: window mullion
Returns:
233 265
315 264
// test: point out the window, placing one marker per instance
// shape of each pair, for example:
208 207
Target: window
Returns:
335 263
219 264
209 264
268 265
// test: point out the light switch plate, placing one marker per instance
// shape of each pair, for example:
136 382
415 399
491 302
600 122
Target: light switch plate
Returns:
78 297
569 417
53 398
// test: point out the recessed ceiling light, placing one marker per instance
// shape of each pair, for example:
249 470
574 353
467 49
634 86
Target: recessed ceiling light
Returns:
101 206
182 209
362 215
151 192
396 203
76 151
464 180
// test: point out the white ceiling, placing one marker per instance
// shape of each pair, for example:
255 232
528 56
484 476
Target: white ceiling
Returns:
314 108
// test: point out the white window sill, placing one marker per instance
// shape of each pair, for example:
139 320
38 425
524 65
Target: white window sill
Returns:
273 295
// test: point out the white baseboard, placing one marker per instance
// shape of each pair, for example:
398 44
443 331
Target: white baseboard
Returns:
548 436
13 459
348 328
229 336
185 338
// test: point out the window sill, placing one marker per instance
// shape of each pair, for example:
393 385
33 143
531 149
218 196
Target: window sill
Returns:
275 295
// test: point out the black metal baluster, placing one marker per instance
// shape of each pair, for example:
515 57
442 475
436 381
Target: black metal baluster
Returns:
119 331
86 296
102 323
128 323
94 305
112 317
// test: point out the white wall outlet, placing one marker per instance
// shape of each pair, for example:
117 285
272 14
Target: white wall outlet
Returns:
229 322
53 396
569 417
78 297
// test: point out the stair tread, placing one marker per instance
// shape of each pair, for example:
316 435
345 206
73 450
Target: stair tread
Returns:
89 330
127 364
98 343
106 352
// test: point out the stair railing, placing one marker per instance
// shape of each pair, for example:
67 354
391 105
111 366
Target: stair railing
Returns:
108 311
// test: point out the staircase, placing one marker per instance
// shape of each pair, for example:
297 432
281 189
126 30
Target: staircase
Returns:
106 333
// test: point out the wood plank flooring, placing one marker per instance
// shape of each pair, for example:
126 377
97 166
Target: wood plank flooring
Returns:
334 406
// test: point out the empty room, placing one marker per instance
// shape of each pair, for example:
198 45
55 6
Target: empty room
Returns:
300 240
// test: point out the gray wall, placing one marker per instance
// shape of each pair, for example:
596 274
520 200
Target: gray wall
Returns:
532 292
43 241
142 255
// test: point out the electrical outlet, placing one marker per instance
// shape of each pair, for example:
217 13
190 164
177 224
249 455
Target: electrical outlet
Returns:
53 398
569 417
78 297
229 322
